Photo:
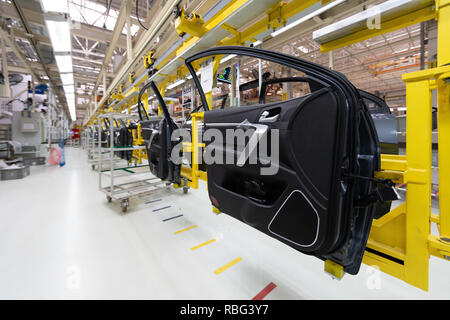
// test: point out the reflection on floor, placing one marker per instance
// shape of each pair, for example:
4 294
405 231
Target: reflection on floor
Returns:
59 238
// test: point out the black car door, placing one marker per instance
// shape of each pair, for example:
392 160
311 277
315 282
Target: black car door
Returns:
316 201
157 133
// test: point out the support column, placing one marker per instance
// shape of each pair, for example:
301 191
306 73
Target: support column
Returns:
129 40
444 118
260 75
192 97
182 102
162 91
233 86
330 60
422 46
104 83
238 83
33 88
5 68
418 195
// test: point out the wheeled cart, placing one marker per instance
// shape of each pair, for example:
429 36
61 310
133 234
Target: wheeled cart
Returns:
124 182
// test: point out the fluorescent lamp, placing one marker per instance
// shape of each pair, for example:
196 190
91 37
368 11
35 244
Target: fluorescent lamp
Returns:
69 89
70 96
170 99
362 20
72 109
176 84
54 6
66 78
307 17
64 63
228 58
189 77
59 32
257 43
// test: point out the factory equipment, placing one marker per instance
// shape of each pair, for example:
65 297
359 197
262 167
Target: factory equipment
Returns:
270 203
127 181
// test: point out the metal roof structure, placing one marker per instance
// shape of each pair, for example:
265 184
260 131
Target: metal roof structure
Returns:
100 45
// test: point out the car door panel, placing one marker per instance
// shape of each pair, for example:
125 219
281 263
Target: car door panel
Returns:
305 178
157 132
328 153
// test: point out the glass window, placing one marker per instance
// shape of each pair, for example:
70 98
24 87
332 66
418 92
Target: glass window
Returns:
236 81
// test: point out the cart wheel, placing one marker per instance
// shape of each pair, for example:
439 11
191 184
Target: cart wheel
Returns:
124 205
109 199
185 190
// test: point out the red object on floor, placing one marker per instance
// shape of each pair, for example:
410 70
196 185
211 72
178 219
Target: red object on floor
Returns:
54 156
76 134
264 292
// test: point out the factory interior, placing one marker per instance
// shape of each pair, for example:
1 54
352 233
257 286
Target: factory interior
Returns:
225 150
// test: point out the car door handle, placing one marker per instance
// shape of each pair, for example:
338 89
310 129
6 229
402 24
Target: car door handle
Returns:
265 117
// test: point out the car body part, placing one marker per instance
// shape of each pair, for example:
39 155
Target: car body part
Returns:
157 133
322 200
384 121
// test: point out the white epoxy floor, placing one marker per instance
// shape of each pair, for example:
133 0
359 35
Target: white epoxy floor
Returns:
60 239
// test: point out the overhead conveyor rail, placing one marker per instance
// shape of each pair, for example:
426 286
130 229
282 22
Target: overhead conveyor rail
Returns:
224 16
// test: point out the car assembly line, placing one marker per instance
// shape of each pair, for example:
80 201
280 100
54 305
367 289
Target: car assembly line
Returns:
241 148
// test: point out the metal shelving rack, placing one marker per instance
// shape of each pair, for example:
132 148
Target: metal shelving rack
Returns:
5 132
93 147
136 184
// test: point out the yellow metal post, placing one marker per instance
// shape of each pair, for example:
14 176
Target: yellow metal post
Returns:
418 195
162 91
193 174
443 85
444 155
195 149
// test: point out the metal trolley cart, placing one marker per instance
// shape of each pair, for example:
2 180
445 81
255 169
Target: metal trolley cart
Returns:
124 182
94 149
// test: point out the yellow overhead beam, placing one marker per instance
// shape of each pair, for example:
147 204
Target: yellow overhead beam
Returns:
275 17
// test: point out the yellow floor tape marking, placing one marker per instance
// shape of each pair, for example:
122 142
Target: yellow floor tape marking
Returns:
203 244
187 229
228 265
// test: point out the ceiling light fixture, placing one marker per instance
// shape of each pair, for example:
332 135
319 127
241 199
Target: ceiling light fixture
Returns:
228 58
59 32
176 84
307 17
54 6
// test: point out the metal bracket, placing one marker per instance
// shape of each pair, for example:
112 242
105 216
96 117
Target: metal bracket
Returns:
131 77
193 25
148 59
275 16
